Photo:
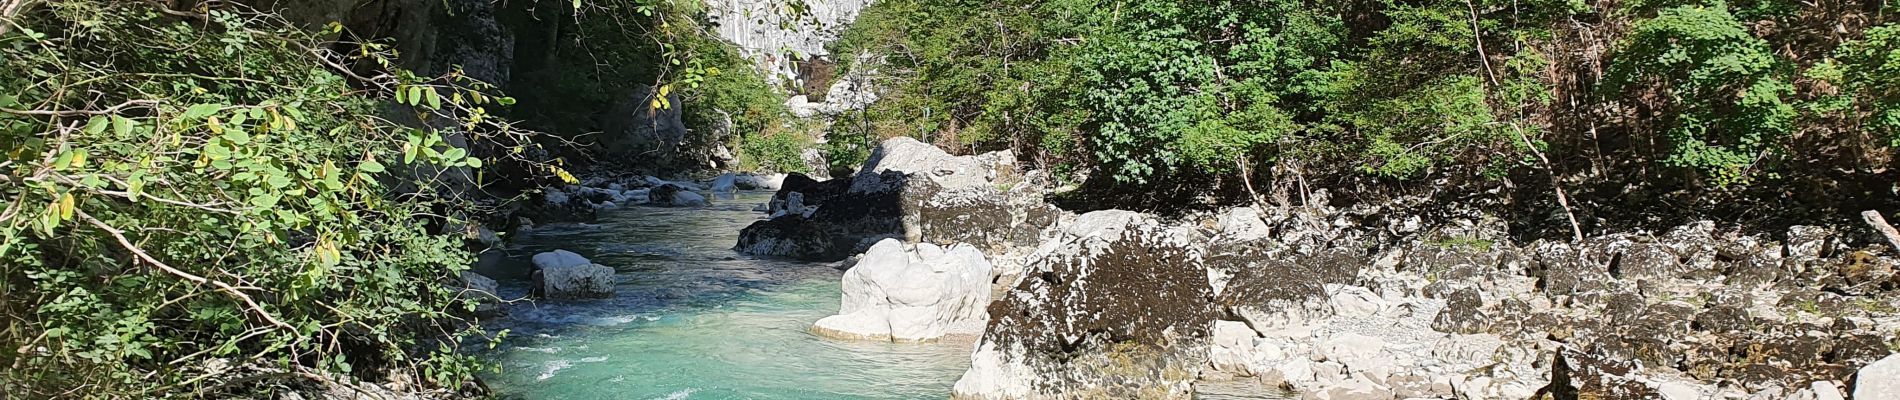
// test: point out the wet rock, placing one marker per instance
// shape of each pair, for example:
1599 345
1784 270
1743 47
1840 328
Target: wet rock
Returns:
725 185
674 195
759 182
562 274
904 293
480 291
845 221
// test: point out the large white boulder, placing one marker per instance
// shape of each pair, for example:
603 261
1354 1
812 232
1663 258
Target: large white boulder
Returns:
1879 381
912 293
563 274
922 160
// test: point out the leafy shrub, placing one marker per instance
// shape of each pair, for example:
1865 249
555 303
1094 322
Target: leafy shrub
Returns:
182 191
1869 72
1726 89
774 151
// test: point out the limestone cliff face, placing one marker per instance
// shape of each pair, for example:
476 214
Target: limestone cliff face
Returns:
779 34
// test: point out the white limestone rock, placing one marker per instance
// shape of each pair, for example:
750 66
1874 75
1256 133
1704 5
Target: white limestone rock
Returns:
561 274
912 293
1879 380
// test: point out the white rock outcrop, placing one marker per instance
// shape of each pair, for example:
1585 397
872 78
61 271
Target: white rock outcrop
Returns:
561 274
925 160
775 39
902 292
1879 381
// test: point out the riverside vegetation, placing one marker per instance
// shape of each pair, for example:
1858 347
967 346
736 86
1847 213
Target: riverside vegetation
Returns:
209 199
1614 112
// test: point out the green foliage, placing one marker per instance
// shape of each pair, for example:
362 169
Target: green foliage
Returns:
1868 72
178 192
1725 88
778 151
1165 95
1148 92
616 48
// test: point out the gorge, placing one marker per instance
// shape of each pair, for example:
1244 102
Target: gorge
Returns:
902 199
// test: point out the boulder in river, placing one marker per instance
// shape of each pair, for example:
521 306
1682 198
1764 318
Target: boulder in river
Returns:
900 292
725 185
561 274
479 290
759 182
672 195
906 189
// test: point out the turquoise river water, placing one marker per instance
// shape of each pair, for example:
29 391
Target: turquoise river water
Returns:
694 320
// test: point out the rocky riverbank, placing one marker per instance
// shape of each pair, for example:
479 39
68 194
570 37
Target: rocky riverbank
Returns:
1362 302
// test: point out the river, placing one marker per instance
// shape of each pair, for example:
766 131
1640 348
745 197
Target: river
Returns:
694 320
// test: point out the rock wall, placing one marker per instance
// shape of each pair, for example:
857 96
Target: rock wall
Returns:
780 35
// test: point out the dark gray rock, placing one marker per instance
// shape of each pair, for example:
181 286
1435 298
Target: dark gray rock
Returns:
1121 310
1463 314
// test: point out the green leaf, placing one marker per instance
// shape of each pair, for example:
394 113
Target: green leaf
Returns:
134 185
454 153
201 111
237 136
370 166
265 200
122 126
435 99
96 125
415 95
474 162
